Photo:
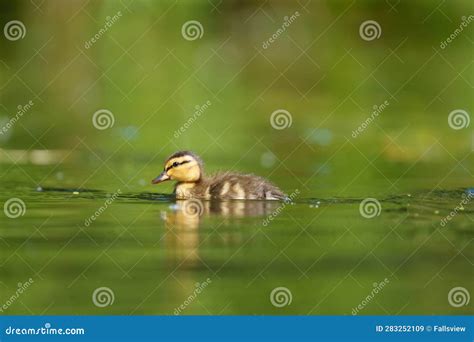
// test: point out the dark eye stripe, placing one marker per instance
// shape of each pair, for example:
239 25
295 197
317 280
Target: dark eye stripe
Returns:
177 164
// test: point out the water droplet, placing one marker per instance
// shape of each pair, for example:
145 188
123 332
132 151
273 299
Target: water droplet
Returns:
267 159
75 193
321 136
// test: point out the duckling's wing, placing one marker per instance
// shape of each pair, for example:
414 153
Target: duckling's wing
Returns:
243 186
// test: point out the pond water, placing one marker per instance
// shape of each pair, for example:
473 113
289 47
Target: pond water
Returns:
157 256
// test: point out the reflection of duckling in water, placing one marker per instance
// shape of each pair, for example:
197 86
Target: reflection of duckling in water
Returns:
187 213
186 168
184 218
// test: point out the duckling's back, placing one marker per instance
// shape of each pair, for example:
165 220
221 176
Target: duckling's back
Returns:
241 186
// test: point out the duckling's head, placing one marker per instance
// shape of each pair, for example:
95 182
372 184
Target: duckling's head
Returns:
183 166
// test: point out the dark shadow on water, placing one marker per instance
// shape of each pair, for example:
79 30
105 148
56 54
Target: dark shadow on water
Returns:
429 197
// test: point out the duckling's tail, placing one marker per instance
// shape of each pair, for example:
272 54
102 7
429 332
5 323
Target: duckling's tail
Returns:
276 194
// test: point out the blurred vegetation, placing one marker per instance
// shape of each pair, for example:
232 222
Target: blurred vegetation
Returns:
320 70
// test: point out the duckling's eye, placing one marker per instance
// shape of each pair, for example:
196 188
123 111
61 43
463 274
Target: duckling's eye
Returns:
175 164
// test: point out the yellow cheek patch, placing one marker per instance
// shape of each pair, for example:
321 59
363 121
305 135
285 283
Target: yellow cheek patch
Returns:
187 171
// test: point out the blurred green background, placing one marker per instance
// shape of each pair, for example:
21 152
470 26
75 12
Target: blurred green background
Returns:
320 70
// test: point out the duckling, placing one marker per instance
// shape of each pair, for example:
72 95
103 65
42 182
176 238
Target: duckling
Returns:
187 169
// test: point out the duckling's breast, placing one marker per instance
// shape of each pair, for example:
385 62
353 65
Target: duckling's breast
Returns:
185 190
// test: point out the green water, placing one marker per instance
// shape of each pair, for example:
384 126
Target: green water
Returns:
151 254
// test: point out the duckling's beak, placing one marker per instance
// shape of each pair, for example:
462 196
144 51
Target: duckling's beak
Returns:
161 178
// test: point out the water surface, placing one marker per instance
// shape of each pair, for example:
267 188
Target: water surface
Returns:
153 254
